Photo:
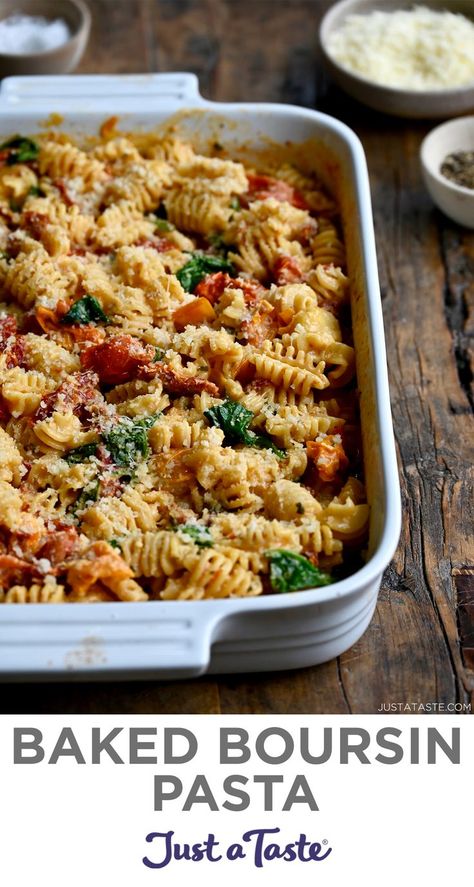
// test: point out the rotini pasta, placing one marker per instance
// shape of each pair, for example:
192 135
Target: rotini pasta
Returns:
178 416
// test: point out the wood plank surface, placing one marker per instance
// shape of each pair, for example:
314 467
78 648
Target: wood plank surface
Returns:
420 645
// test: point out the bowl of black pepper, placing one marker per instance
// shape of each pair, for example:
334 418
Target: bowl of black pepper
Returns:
447 162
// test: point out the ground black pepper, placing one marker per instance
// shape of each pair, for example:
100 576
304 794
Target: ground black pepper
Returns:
459 167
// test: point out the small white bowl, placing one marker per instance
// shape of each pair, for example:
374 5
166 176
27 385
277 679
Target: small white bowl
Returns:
455 201
60 60
431 104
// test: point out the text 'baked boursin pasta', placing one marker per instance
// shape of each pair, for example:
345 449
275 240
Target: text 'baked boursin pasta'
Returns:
178 412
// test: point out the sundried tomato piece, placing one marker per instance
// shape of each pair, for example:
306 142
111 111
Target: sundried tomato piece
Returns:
261 326
160 244
307 232
16 356
76 393
101 562
252 289
212 286
118 359
177 383
8 328
16 569
259 329
61 185
60 545
261 187
286 270
87 332
34 222
328 456
111 485
29 323
14 243
27 540
174 382
11 343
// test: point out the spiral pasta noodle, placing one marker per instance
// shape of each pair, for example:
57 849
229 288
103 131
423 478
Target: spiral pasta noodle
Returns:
213 575
33 278
327 247
47 593
59 160
197 211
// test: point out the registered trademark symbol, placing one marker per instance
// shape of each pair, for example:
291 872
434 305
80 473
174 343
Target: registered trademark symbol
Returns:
325 841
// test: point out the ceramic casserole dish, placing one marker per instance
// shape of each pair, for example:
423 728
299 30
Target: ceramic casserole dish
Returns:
176 639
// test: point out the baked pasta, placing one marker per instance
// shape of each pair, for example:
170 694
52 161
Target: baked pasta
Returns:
178 411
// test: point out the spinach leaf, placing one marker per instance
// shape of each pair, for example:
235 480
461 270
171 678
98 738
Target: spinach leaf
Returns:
290 571
163 225
80 454
148 421
263 442
234 420
35 191
85 310
198 266
159 355
114 544
201 536
89 494
128 440
22 150
219 245
232 417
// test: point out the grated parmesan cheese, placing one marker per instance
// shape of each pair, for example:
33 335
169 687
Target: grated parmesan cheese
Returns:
417 49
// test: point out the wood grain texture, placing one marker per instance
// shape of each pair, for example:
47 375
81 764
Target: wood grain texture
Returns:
420 645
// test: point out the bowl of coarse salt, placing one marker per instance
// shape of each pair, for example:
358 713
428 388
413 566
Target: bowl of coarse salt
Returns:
404 58
42 36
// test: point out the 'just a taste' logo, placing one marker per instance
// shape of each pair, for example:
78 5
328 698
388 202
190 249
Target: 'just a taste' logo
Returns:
259 846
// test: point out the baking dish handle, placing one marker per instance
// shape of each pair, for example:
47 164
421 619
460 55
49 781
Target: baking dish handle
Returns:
156 639
78 92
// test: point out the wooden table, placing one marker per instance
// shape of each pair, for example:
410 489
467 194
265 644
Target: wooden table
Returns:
420 645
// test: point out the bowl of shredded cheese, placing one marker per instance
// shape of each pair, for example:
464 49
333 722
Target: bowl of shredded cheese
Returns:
42 36
408 59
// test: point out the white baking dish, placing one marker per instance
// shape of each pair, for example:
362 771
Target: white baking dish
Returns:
181 639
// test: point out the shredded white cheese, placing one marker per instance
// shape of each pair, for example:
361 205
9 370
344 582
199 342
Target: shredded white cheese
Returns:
24 34
418 49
